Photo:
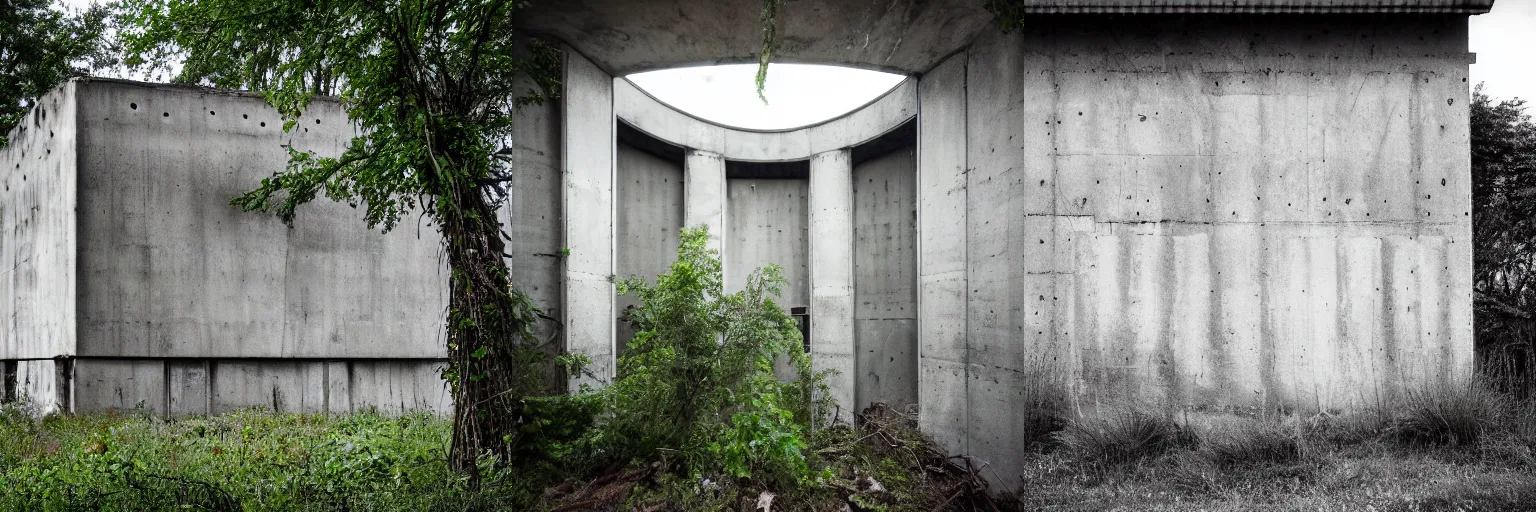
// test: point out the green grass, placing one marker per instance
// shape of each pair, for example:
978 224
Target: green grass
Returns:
1448 448
247 460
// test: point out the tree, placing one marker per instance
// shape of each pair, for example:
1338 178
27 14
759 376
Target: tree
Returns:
1503 141
41 46
429 86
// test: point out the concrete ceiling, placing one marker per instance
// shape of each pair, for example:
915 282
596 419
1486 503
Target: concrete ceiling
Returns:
901 36
630 36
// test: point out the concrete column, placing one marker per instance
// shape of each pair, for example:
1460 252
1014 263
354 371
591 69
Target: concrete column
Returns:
704 196
831 219
590 143
941 245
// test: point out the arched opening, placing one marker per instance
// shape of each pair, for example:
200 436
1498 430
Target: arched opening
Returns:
797 95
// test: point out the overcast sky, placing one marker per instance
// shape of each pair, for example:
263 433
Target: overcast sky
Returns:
1504 41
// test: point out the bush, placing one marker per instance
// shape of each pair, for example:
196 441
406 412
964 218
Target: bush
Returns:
698 376
1448 414
1123 435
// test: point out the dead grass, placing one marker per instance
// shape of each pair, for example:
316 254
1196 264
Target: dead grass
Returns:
1453 447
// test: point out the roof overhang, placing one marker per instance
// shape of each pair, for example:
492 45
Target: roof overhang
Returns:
901 36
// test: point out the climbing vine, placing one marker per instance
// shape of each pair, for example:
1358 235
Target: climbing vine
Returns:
770 39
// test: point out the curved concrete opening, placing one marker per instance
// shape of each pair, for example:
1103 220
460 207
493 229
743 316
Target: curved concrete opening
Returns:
797 95
834 204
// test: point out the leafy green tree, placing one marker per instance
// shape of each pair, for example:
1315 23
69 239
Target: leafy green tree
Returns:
430 87
1503 221
41 46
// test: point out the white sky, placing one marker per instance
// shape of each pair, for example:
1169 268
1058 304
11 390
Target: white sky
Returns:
1504 41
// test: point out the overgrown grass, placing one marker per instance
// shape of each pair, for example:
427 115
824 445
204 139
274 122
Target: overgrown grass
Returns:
1444 447
247 460
1456 448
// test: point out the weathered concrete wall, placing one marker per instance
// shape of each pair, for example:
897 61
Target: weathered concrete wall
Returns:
1197 211
943 354
831 257
169 269
181 297
532 216
37 237
194 387
588 155
649 192
767 223
885 279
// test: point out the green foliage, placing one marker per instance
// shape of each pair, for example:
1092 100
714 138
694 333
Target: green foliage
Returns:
247 460
699 376
431 85
41 46
1008 15
432 88
770 19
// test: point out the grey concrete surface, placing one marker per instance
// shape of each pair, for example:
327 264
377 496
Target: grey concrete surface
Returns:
38 242
885 279
942 235
625 37
1274 215
155 271
649 194
588 156
832 300
704 196
767 224
167 268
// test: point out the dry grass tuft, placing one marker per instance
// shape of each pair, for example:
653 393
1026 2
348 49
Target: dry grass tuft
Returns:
1123 435
1448 414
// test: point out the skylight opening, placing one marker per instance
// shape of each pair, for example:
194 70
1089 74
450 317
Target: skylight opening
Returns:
798 94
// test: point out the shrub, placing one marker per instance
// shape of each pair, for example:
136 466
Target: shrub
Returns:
1121 436
699 375
1448 414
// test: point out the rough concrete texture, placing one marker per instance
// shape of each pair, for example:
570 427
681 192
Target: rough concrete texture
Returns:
704 195
832 301
942 207
624 37
532 216
767 224
1194 211
155 276
663 122
885 279
650 219
169 269
38 241
590 139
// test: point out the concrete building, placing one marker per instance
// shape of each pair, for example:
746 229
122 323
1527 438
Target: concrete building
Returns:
1195 203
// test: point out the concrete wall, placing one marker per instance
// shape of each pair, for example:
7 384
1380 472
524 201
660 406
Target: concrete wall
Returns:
186 304
1194 211
767 223
588 155
169 269
38 197
532 216
649 215
885 279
